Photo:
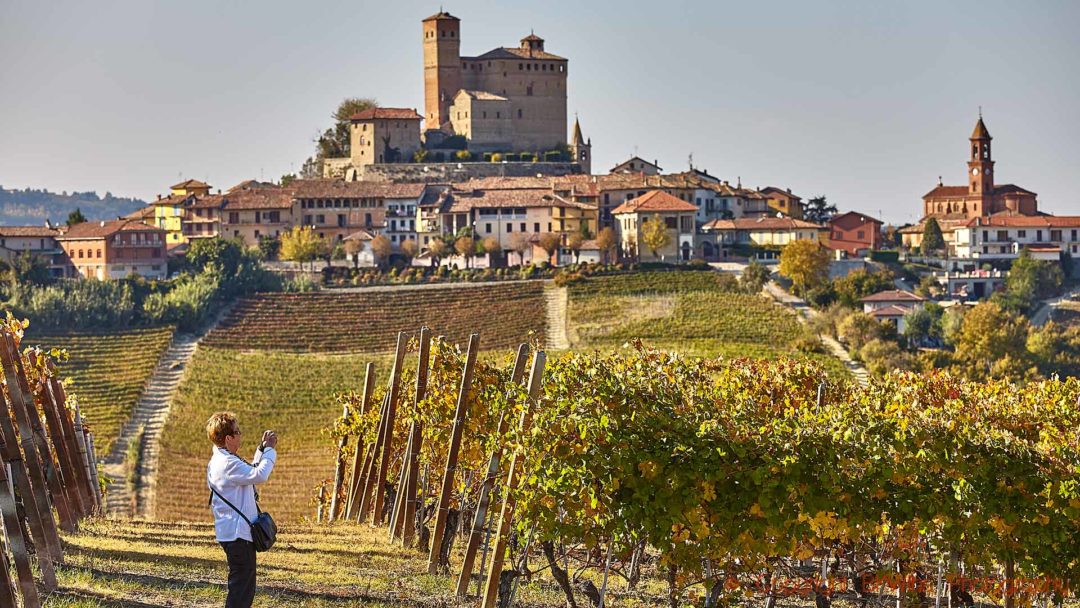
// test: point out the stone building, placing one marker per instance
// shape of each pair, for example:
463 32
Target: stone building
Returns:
509 98
384 135
114 249
677 215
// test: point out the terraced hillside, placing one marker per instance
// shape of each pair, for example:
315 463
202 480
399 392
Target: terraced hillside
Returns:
109 371
367 321
686 311
291 393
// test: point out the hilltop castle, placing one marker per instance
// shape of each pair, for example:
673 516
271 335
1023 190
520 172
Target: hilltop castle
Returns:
509 98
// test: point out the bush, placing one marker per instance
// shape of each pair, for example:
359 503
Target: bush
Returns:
420 156
463 155
300 284
496 157
187 304
77 304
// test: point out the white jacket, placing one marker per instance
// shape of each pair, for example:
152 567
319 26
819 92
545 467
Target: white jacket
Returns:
236 480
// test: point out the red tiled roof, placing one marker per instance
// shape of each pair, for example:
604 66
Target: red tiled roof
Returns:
890 311
657 200
980 131
336 188
893 295
762 223
462 201
852 219
1011 189
210 201
257 198
635 158
780 192
517 53
98 230
947 192
141 214
387 114
442 16
28 231
189 184
1043 248
172 199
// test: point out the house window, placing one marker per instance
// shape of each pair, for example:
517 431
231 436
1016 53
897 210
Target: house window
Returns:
523 226
1021 234
669 222
487 228
536 227
837 235
234 217
509 227
1055 236
98 253
257 235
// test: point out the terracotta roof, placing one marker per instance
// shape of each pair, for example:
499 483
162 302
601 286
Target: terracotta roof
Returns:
442 16
533 38
387 114
1026 221
172 199
947 192
505 183
482 95
461 201
980 131
1039 248
189 184
257 198
252 183
336 188
98 230
852 219
210 201
517 53
361 235
762 223
1011 189
780 191
946 222
893 295
657 200
28 231
890 311
141 214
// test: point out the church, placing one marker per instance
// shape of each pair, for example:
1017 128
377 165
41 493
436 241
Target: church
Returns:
980 197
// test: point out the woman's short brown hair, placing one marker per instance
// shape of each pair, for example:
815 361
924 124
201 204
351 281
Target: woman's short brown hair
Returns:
220 425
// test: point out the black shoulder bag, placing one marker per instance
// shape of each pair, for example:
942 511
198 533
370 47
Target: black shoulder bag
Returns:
263 529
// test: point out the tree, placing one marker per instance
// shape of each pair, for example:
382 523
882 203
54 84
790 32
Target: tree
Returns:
884 356
75 217
574 242
382 249
519 242
353 247
860 283
334 141
918 325
30 269
438 249
1056 349
409 248
269 247
606 242
655 235
225 255
993 344
465 247
891 237
818 210
754 277
927 287
806 263
1029 281
491 247
549 242
932 239
859 328
301 244
952 324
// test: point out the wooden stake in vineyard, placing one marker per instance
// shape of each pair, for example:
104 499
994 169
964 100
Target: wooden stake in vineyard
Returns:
358 458
402 524
339 470
370 464
477 532
388 431
87 489
74 484
460 411
502 536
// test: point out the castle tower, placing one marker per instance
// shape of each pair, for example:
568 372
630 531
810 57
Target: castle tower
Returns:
581 149
981 169
442 67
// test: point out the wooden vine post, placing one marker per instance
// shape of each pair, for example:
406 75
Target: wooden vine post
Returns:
388 431
402 522
460 411
368 485
358 458
339 470
62 440
477 533
86 488
502 536
9 510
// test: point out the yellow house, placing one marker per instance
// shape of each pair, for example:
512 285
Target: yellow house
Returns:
169 212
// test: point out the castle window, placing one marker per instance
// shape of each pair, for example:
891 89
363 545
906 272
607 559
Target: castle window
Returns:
451 34
485 114
528 67
521 66
464 66
444 34
498 114
519 112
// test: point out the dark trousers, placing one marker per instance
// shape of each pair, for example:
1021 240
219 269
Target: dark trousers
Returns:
241 557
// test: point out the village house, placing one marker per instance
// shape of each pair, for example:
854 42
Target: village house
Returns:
677 215
33 240
783 202
759 232
853 233
1004 237
638 166
892 305
253 210
114 249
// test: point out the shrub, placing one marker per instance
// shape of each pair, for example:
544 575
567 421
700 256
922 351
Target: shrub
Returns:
496 157
187 304
420 156
463 155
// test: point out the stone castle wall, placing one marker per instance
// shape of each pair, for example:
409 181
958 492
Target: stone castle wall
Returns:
450 172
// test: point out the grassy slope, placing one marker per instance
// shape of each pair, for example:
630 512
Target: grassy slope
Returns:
109 371
293 394
111 563
684 312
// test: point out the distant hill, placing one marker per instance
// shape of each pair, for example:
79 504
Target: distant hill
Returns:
30 207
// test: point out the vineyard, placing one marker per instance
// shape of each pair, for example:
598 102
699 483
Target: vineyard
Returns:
368 321
108 371
289 392
736 479
688 312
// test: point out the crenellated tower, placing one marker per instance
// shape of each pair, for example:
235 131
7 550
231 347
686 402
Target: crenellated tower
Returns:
442 67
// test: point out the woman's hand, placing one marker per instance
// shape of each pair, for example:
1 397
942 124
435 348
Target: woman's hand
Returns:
269 439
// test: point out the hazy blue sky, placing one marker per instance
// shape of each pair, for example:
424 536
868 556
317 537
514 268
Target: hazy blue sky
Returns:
866 102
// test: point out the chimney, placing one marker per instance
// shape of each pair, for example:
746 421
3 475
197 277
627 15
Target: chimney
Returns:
789 190
102 223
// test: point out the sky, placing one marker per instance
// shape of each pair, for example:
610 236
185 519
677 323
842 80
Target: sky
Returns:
864 102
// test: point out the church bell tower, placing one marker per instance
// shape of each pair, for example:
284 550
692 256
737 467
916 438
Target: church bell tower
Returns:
981 168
